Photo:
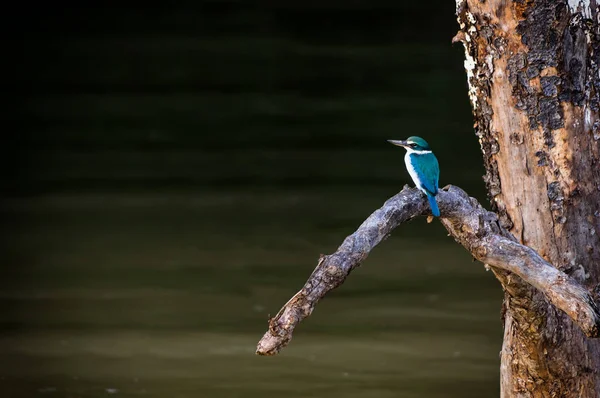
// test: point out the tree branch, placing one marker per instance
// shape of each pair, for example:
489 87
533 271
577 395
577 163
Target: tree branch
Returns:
471 225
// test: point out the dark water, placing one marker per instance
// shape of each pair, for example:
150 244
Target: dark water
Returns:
175 177
166 295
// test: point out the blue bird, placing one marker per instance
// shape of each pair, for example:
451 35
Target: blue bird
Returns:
423 167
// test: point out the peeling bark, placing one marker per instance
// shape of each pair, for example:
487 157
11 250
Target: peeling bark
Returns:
534 84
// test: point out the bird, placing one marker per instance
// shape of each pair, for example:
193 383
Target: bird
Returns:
423 167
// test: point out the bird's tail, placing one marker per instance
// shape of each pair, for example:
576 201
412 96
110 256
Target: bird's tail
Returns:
433 203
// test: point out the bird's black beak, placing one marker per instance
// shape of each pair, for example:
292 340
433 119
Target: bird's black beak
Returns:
398 142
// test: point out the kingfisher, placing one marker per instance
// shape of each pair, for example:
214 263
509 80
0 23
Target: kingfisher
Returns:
423 167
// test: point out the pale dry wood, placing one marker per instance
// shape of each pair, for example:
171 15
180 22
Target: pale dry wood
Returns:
477 229
534 86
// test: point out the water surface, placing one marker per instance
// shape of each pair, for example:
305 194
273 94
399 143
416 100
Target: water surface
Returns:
166 295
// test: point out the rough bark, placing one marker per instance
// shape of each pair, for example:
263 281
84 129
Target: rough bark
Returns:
477 229
534 86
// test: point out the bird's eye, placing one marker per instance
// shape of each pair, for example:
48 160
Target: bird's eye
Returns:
413 145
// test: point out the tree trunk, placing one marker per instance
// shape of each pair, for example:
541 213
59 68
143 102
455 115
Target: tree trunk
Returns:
534 85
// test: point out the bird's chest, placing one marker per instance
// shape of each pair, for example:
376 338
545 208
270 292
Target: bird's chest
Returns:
410 163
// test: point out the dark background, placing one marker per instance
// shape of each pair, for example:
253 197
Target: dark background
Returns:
171 175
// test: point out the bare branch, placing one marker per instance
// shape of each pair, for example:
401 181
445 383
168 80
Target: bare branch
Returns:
471 225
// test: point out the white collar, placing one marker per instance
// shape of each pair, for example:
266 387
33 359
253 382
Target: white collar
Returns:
411 151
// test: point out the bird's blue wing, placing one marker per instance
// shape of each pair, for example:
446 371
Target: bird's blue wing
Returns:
429 169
